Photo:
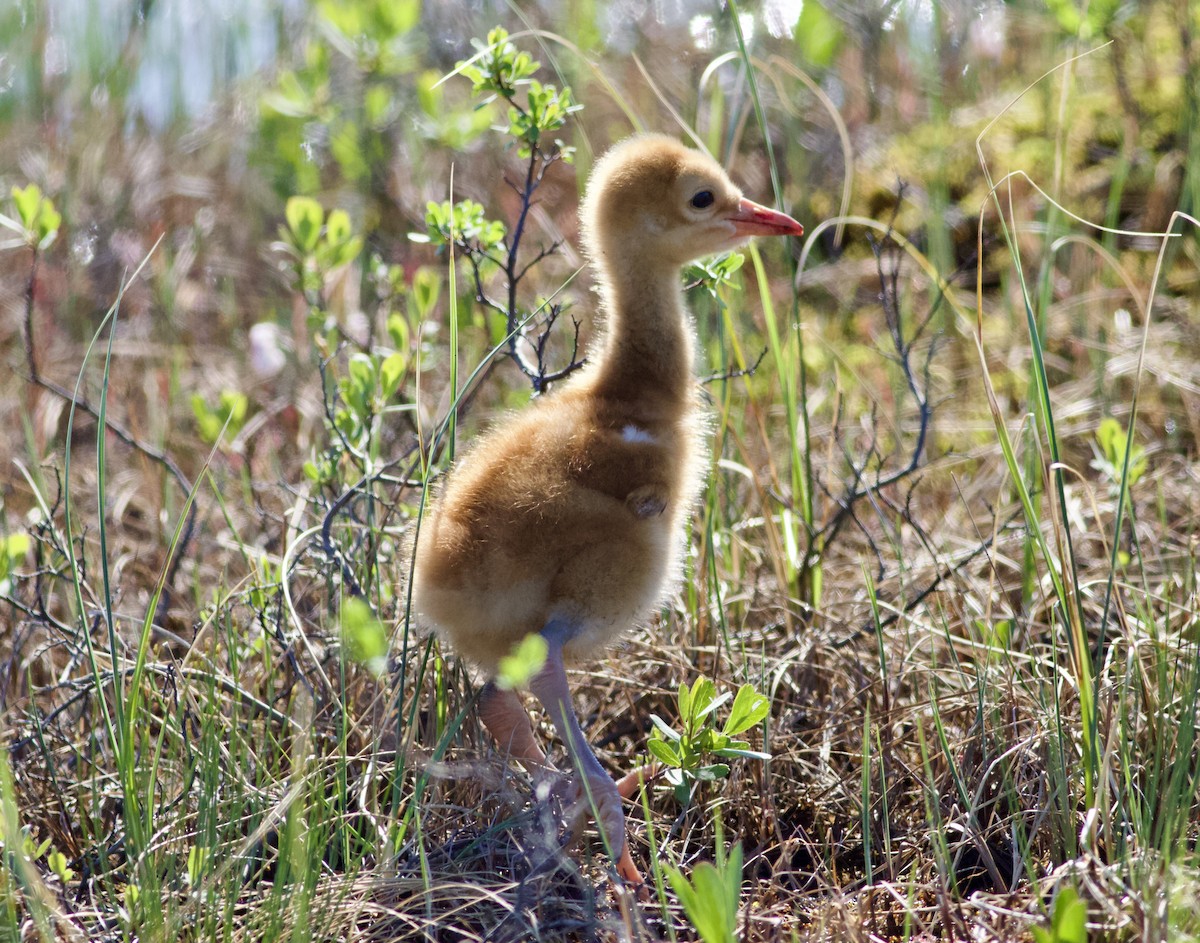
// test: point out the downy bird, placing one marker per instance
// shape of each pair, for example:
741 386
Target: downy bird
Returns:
568 518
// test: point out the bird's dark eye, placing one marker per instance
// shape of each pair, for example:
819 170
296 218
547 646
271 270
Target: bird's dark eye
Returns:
703 199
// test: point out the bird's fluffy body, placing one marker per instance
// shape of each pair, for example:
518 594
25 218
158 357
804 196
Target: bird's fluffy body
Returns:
540 523
573 509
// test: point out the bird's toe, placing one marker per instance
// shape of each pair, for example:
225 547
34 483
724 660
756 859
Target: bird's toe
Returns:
575 799
565 796
610 815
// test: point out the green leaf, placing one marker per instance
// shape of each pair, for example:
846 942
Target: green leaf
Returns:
27 199
196 859
304 218
663 751
58 864
346 18
699 698
391 371
337 227
362 373
398 331
358 390
39 220
340 245
664 728
364 635
522 663
429 93
733 880
729 264
688 898
1107 434
704 699
818 34
1000 634
426 287
403 15
13 549
742 753
347 251
287 105
1069 924
48 222
1113 443
229 415
233 408
749 708
1073 19
684 699
346 147
712 919
711 898
712 772
206 419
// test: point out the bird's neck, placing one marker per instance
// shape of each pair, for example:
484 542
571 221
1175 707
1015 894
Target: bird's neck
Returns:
648 347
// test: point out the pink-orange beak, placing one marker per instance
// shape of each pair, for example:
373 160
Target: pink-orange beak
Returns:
751 219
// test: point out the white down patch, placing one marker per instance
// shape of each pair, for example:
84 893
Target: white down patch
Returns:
632 433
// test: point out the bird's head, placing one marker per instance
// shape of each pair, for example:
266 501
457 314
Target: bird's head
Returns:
656 202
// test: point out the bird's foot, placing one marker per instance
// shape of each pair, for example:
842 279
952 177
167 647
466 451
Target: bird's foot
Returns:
629 873
564 796
629 784
646 501
575 797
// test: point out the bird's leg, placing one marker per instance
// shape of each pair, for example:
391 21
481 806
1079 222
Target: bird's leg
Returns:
550 687
506 720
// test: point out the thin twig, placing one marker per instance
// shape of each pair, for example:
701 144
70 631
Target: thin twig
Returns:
733 374
943 575
29 290
514 272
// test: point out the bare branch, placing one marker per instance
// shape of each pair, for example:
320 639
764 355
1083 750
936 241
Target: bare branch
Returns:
733 374
514 271
943 575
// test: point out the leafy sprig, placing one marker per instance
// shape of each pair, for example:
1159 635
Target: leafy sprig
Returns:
688 753
37 221
501 72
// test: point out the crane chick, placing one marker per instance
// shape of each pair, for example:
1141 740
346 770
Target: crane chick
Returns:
567 519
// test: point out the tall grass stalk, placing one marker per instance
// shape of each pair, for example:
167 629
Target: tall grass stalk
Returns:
865 796
1061 566
792 368
117 718
452 281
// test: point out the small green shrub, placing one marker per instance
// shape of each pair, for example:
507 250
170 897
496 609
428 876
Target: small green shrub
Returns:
688 753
